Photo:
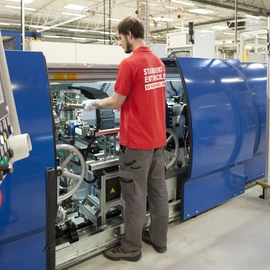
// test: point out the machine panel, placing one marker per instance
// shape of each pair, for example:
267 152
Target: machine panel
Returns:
23 209
256 76
224 125
25 253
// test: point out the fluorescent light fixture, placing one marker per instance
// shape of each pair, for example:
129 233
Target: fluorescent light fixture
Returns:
2 23
17 7
25 1
183 3
79 38
100 32
219 27
112 19
229 34
75 7
48 36
76 30
73 14
162 19
200 11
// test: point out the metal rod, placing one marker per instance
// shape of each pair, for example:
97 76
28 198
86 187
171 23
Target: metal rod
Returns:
51 207
104 20
267 161
235 21
22 26
110 22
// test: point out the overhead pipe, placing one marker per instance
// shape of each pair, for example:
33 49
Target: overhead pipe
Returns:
22 26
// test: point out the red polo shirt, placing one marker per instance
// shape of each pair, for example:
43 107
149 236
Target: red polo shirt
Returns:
141 77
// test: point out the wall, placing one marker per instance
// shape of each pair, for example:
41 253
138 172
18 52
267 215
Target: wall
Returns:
56 52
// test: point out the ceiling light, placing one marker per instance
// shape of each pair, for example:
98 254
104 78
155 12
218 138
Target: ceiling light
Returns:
76 30
183 3
200 11
48 36
2 23
79 38
219 27
75 7
25 1
17 7
73 14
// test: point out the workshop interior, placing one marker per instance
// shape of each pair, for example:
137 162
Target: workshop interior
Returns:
60 194
62 203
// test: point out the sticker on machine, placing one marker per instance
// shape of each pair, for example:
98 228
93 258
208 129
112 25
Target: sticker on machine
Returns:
152 86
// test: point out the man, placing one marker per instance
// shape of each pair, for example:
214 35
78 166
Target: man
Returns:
140 93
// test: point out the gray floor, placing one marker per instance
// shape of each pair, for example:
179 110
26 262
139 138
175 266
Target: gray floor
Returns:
233 236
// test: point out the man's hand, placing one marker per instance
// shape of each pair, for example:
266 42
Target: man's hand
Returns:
89 104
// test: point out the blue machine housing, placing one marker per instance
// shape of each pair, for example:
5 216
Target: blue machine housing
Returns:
227 130
23 210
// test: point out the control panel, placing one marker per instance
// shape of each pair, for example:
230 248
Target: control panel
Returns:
13 145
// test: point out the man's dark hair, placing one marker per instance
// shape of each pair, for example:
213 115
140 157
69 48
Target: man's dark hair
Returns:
134 25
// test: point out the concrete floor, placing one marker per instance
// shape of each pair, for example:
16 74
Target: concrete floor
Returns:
233 236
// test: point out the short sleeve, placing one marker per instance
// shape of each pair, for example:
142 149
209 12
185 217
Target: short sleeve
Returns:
124 79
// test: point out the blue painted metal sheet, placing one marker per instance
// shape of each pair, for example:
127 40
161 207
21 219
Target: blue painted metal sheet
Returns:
224 125
24 253
23 210
256 76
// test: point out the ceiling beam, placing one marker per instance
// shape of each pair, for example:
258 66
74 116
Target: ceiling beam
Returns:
249 9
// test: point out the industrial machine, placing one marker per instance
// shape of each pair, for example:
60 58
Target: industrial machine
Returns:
63 203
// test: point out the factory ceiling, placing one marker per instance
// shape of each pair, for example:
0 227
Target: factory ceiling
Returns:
94 21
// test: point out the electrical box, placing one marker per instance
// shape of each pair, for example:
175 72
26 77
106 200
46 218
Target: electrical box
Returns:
179 44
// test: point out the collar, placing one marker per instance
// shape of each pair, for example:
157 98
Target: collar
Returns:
142 49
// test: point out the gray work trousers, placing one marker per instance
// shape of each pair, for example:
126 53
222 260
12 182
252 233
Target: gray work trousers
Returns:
142 173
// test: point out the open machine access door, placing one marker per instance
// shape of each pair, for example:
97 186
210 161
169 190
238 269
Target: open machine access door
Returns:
224 125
